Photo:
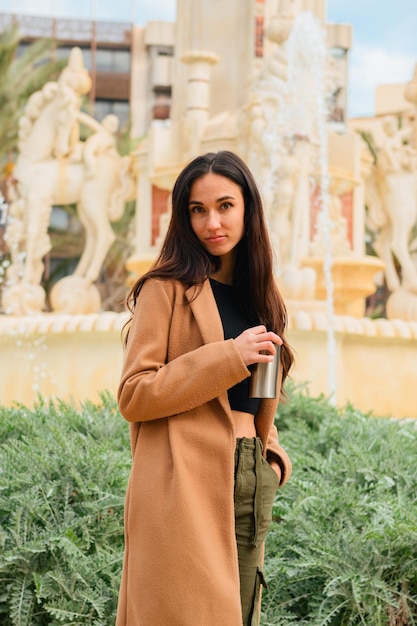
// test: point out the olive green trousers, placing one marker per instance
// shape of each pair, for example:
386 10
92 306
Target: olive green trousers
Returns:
256 484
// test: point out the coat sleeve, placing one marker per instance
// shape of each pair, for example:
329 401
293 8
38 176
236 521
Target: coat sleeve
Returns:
152 388
274 452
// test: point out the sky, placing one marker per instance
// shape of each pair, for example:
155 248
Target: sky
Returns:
384 46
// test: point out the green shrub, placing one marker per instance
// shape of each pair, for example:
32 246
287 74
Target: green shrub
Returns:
343 547
62 483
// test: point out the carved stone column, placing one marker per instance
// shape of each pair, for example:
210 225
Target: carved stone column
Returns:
198 95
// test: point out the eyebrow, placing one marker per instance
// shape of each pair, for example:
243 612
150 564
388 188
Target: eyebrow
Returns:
222 199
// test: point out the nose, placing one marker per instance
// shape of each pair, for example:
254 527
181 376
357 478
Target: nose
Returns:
213 221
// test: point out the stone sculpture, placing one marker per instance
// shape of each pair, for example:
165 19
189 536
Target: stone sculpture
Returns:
281 146
391 198
55 168
284 132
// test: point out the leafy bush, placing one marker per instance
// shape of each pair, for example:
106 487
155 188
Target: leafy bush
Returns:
342 549
63 475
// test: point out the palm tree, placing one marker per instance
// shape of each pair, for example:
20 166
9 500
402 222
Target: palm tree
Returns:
20 76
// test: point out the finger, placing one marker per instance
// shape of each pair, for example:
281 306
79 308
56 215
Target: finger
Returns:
258 330
264 356
276 339
267 347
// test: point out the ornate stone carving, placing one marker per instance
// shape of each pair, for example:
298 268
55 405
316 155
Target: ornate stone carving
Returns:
55 168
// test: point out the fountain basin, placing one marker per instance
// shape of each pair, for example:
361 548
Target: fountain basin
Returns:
375 362
76 357
73 357
353 281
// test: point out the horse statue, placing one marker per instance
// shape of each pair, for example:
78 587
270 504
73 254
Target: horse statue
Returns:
55 168
391 199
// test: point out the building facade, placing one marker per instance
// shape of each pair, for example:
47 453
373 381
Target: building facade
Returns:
121 59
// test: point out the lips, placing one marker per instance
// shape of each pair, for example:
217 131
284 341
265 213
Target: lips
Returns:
216 239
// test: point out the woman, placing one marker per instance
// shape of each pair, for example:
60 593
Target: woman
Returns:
206 458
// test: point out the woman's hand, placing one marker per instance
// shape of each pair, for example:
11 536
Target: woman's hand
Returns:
257 345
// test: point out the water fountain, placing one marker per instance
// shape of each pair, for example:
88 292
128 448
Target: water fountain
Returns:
311 175
302 192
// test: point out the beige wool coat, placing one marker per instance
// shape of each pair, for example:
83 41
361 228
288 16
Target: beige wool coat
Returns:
180 565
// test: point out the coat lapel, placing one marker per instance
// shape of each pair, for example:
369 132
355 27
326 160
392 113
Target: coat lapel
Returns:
206 314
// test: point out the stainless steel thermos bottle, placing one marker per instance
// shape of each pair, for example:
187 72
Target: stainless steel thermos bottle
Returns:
263 381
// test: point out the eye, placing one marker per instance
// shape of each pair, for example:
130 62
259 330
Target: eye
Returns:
195 208
225 205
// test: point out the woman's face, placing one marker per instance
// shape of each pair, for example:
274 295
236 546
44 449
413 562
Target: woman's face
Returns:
217 212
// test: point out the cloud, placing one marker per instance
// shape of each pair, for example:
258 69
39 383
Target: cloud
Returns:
371 66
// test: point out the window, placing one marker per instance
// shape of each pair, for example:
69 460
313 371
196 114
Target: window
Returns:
113 60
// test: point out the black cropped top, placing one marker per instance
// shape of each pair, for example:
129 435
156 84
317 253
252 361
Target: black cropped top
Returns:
234 322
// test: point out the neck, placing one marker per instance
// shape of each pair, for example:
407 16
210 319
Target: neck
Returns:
225 273
220 279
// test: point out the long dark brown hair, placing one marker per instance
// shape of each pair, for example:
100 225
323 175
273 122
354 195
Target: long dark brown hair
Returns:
185 259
